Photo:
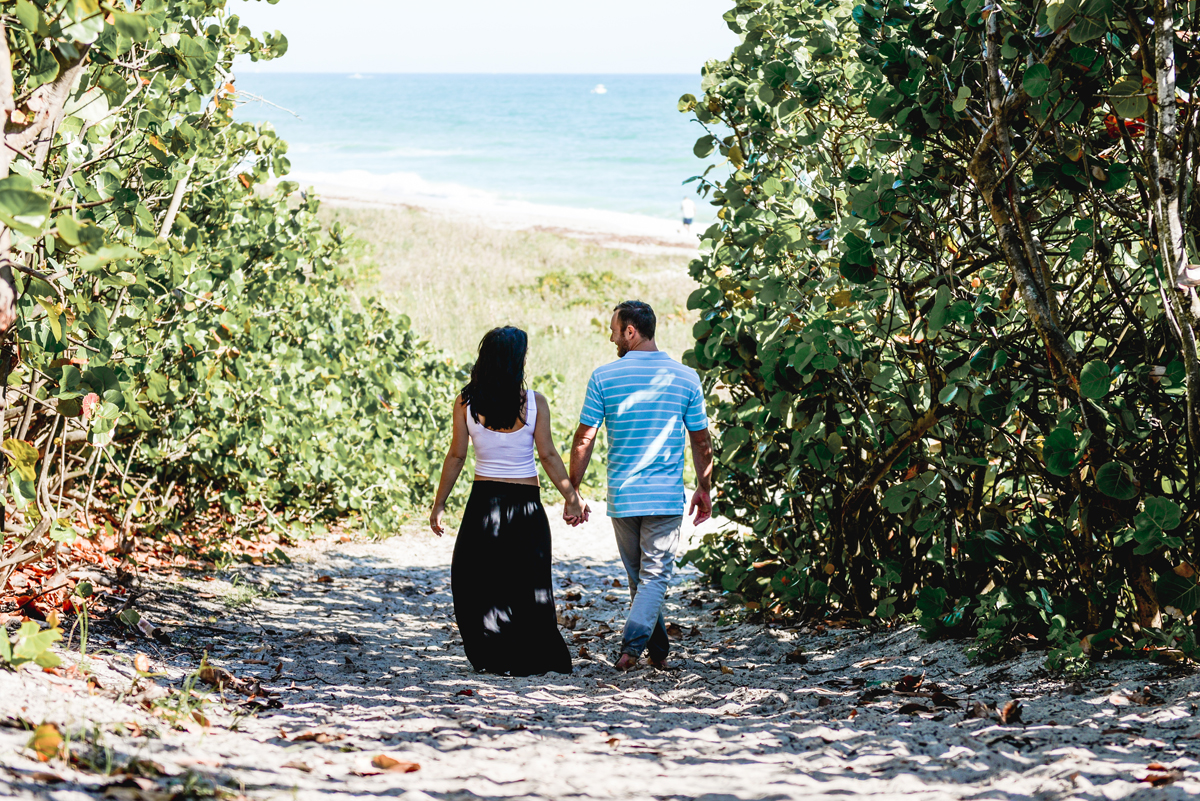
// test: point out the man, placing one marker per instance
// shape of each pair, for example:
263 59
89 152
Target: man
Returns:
647 400
688 209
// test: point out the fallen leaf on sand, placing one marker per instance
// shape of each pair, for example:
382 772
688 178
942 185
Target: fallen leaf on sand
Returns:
796 657
255 662
218 677
1145 697
726 669
617 583
824 701
46 741
141 663
943 701
584 653
572 595
877 660
1160 774
465 692
613 741
674 632
909 684
317 737
695 632
393 765
853 714
1011 713
912 709
296 764
324 579
47 777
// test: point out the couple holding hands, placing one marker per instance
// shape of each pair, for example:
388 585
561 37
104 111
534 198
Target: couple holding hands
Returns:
500 576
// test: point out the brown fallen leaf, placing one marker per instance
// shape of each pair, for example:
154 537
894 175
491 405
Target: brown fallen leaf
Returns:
584 653
695 632
217 677
393 765
324 579
674 632
726 669
465 692
912 709
141 663
613 741
909 684
296 764
824 701
1145 697
198 716
317 737
1160 774
853 714
255 662
572 595
46 741
1011 712
979 710
617 583
796 657
943 701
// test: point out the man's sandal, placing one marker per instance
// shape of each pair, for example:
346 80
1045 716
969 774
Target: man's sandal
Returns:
626 663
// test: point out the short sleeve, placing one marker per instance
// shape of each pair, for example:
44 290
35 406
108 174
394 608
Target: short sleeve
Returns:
695 417
593 404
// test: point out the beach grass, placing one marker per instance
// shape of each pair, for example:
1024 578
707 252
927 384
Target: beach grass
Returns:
456 279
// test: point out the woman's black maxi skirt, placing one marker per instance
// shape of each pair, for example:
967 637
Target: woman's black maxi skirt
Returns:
500 577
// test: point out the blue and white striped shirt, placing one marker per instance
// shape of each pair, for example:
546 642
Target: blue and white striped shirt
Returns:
647 399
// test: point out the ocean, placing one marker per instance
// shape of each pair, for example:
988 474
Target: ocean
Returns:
610 142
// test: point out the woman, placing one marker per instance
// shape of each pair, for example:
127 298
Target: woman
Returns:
500 576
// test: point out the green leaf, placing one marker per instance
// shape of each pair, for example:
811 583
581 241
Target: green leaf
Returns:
1094 380
994 408
136 26
22 456
1182 594
43 68
1128 98
85 21
21 206
1160 514
704 146
32 18
1037 80
1058 451
1115 480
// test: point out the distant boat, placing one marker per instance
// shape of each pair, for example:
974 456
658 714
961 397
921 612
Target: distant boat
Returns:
599 90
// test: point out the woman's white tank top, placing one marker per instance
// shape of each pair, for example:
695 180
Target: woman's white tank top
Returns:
505 455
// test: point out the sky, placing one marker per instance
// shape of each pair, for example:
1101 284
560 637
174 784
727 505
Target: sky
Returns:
474 36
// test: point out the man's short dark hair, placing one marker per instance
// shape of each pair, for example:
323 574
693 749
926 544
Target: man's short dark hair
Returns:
639 315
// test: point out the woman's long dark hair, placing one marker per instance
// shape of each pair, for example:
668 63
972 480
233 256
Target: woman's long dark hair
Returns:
496 390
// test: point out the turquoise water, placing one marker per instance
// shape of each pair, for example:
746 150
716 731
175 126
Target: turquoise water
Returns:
540 138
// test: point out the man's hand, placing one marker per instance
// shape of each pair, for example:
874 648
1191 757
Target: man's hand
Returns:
701 505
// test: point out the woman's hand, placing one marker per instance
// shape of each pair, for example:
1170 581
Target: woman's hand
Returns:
435 518
575 511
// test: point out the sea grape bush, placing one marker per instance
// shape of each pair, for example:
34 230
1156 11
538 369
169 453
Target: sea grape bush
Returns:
174 329
948 315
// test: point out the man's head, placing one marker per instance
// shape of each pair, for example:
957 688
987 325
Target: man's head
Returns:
632 324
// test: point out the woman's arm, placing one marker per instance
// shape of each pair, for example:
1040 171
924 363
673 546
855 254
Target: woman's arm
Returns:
575 511
451 467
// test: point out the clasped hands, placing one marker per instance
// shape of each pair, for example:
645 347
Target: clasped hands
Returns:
576 510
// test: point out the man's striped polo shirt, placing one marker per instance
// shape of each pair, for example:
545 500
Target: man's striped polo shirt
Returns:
646 399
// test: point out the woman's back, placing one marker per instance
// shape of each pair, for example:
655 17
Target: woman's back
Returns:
505 454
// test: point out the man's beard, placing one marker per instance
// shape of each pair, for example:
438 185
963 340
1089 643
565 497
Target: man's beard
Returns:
622 348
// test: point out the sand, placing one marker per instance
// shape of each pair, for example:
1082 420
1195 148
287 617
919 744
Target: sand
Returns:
633 232
369 663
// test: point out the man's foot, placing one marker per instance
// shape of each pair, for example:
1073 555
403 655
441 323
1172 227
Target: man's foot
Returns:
626 662
658 664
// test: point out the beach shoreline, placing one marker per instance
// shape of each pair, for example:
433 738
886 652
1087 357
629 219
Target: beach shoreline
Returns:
632 232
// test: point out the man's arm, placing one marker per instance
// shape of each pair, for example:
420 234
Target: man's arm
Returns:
581 452
702 459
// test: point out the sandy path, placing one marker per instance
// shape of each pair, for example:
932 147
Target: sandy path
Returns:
371 662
